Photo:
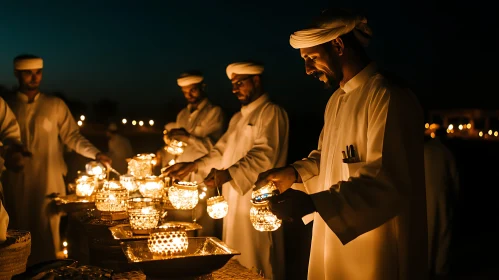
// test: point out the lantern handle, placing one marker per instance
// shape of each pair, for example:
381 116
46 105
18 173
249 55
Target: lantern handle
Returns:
216 185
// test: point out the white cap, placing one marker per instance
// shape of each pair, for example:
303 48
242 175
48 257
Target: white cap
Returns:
28 63
243 68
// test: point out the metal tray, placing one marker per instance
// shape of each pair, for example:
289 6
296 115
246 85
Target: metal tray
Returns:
204 255
72 203
124 232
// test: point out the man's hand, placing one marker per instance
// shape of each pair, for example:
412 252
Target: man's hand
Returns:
15 156
217 178
103 158
180 170
291 205
283 178
179 134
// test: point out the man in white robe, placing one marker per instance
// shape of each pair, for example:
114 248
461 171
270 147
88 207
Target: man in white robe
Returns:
256 140
120 148
364 185
200 125
442 192
46 125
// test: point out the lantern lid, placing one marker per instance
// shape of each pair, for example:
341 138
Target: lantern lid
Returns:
215 199
263 194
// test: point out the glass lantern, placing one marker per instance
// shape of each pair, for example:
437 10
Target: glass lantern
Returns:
96 169
85 186
141 165
151 186
129 183
260 215
217 207
175 147
111 198
184 195
168 240
143 214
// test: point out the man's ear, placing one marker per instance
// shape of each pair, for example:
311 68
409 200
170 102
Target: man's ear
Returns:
256 80
338 45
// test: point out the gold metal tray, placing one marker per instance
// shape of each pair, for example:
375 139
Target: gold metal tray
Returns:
204 255
124 232
72 203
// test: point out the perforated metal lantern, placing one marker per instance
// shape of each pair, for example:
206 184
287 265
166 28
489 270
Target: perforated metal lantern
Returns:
112 197
151 186
129 182
184 195
261 217
141 165
85 186
217 207
175 147
143 214
168 240
96 169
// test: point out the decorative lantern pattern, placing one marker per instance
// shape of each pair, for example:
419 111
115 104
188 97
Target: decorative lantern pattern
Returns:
217 207
141 165
96 169
111 198
128 182
183 195
151 186
85 186
175 147
168 240
260 215
143 214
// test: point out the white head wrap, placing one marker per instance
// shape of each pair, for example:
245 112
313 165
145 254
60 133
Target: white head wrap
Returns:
28 64
244 68
330 26
189 79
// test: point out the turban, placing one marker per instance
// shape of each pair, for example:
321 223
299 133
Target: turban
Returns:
189 79
243 68
28 63
330 26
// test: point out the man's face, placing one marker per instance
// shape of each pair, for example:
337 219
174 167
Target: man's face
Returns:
323 63
193 93
244 88
29 79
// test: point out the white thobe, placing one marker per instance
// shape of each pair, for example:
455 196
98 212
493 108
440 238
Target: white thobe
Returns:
442 189
256 140
4 216
120 149
46 124
371 215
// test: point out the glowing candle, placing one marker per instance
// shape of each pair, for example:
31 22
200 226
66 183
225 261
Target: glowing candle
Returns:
184 195
217 207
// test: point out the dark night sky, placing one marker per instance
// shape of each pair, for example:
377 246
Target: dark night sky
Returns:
134 51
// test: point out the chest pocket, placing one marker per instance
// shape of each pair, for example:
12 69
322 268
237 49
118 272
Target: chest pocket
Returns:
47 125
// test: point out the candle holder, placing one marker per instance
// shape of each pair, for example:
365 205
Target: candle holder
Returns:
96 169
261 217
129 183
168 240
141 165
85 186
152 186
175 147
143 214
217 207
184 195
111 200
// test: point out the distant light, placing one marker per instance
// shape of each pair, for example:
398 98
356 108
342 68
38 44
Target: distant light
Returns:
480 134
451 127
427 125
468 126
151 122
141 123
496 133
123 121
65 244
490 132
65 251
82 117
460 127
432 135
80 123
134 122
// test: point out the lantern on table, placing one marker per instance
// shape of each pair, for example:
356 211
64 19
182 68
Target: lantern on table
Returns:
112 201
260 215
141 165
183 195
168 240
85 186
143 214
151 186
129 183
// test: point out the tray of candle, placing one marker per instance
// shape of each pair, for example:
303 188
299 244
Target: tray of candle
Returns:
73 203
202 256
124 232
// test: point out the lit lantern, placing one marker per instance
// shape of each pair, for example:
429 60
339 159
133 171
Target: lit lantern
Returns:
151 186
217 207
141 165
111 198
96 169
260 215
168 240
175 147
85 186
143 214
128 182
183 195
